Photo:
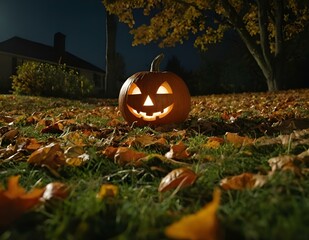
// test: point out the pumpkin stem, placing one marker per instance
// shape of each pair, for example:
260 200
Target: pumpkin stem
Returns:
155 64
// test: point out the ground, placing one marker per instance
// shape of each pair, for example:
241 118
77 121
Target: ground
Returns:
237 168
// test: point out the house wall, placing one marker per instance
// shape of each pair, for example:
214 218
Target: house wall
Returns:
5 72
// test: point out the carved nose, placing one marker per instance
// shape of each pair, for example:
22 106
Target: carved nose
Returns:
148 101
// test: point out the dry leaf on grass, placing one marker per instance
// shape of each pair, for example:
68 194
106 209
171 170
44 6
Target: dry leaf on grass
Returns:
203 225
237 140
55 191
213 142
177 178
51 156
15 201
296 164
147 141
76 156
178 151
243 181
124 156
53 128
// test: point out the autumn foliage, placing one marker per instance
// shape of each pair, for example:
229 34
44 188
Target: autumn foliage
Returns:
265 27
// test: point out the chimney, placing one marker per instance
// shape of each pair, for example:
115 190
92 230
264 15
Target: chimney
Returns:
59 43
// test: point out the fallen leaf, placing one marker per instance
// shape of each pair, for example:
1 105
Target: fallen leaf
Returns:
107 191
15 201
237 140
124 156
110 152
203 225
178 151
213 142
53 128
51 155
177 178
55 191
9 136
289 162
114 122
158 159
76 156
243 181
32 144
147 141
75 138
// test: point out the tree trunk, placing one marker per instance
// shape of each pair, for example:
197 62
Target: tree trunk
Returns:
111 71
270 65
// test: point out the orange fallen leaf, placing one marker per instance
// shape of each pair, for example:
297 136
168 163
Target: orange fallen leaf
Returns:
177 178
110 152
237 140
51 155
124 156
55 191
203 224
53 128
243 181
146 141
32 144
15 201
178 151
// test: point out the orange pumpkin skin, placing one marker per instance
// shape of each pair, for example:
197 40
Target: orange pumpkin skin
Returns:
168 94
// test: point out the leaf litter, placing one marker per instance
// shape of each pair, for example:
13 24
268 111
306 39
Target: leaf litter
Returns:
65 133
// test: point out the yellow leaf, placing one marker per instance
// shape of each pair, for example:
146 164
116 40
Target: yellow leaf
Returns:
214 142
107 191
202 225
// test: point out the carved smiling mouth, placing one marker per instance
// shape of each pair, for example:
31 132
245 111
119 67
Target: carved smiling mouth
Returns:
154 116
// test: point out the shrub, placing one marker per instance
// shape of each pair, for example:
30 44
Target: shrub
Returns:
43 79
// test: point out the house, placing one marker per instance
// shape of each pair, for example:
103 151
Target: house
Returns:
16 50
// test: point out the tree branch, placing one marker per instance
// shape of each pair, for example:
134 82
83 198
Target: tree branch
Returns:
240 27
263 8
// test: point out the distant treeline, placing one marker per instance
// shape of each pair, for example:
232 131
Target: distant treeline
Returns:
234 69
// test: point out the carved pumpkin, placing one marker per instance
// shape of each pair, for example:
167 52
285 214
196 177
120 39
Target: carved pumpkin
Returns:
154 97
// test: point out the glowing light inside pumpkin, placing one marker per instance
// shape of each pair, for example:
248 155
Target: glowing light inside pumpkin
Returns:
154 116
134 89
148 102
163 89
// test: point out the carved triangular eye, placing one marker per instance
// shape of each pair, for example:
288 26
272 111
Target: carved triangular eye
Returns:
134 89
164 89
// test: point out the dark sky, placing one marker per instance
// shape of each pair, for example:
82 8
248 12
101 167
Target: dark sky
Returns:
83 23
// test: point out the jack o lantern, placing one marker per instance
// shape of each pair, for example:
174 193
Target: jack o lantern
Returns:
154 97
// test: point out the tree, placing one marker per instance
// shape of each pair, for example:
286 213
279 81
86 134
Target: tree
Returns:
111 56
264 26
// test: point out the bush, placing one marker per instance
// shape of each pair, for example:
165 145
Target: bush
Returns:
43 79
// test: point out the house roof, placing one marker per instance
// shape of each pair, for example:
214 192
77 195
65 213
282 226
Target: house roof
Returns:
27 48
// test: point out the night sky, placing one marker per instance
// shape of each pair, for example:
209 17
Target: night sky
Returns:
83 23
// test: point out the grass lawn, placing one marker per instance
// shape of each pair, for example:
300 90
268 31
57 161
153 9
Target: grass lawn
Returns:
105 174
